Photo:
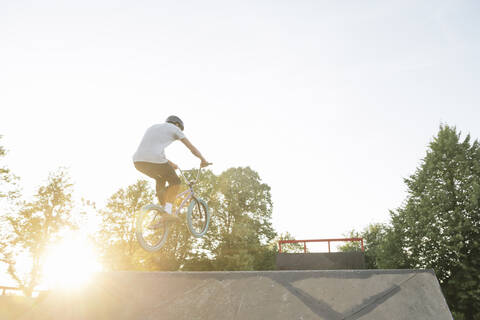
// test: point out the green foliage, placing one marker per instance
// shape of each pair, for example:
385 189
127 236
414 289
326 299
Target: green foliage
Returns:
117 240
8 187
241 228
116 237
178 249
287 247
352 246
34 227
239 237
381 247
201 262
388 249
439 225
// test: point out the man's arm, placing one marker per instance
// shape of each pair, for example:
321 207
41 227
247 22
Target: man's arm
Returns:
195 152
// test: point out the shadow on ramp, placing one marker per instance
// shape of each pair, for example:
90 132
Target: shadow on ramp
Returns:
331 295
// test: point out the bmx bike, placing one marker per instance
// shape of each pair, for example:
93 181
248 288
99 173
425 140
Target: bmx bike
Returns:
153 222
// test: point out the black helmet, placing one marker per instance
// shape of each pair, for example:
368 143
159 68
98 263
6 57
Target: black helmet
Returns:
175 120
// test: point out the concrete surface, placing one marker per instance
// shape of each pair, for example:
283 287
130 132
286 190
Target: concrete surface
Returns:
332 295
321 261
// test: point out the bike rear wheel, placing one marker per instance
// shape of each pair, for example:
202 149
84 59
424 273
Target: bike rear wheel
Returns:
151 229
198 217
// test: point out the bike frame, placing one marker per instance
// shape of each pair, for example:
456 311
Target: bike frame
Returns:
185 200
187 194
185 197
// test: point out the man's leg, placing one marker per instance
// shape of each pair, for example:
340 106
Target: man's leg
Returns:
162 172
154 171
173 187
160 190
170 195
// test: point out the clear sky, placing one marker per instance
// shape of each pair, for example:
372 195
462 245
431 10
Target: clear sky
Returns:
333 103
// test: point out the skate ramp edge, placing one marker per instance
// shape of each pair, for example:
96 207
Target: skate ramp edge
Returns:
313 294
320 261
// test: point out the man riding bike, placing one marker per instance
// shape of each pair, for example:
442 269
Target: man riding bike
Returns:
150 159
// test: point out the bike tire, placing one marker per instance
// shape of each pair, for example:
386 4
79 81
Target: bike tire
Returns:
153 239
198 217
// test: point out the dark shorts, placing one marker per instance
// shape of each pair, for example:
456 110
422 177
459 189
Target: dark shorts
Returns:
161 172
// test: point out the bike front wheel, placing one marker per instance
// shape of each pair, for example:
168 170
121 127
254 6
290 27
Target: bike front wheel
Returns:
151 229
198 217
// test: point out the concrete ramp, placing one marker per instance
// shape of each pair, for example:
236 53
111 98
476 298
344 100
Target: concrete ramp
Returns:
330 295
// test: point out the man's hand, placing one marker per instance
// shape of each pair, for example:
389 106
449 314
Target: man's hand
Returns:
204 163
174 166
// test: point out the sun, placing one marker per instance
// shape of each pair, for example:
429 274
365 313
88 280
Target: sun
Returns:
71 263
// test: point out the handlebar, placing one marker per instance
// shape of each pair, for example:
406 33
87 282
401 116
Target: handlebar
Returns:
190 183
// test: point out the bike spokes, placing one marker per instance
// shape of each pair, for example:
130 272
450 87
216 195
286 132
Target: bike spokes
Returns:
198 218
151 229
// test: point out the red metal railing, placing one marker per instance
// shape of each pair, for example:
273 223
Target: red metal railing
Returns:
319 240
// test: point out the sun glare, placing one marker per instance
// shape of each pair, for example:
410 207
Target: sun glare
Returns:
71 263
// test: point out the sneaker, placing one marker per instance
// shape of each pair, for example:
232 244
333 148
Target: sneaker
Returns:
163 212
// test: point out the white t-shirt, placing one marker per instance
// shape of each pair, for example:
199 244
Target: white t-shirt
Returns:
154 142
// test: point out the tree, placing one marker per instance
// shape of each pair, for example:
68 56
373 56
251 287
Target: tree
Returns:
241 228
353 246
239 236
120 249
287 247
390 252
382 247
8 193
34 227
116 237
438 227
8 188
